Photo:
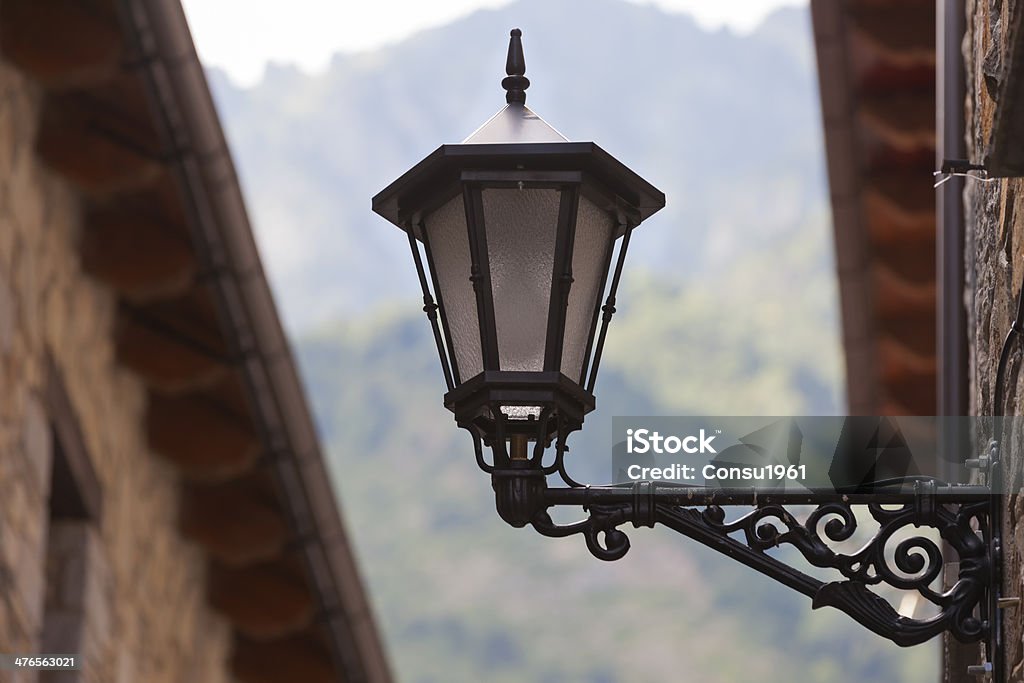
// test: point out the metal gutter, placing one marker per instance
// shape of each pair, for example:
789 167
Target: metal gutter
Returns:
949 119
951 311
231 265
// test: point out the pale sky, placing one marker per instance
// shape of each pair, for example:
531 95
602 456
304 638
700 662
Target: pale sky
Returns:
241 36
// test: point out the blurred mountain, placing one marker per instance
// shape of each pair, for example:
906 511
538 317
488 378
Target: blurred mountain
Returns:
727 126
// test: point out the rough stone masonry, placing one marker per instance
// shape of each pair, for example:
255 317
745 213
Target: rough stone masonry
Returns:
124 589
994 265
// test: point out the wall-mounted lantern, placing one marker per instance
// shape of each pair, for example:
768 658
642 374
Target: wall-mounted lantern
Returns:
519 238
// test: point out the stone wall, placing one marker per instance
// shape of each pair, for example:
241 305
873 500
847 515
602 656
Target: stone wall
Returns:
136 589
995 270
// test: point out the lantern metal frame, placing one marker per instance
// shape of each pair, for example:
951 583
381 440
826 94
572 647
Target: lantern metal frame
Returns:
576 169
968 518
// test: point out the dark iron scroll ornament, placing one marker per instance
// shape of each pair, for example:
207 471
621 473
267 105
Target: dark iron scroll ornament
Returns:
861 570
898 554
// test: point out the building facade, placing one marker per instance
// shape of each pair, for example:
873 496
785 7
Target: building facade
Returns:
994 260
931 281
165 512
110 577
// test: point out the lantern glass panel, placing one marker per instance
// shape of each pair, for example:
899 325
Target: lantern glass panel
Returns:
521 412
594 228
521 225
449 247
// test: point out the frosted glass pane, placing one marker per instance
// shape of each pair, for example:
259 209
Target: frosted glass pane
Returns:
521 412
449 246
589 255
521 226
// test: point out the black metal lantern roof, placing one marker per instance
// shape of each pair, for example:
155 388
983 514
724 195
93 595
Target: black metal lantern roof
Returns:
434 180
516 139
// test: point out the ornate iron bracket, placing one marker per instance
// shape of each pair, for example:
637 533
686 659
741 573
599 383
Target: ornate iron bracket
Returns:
962 519
896 553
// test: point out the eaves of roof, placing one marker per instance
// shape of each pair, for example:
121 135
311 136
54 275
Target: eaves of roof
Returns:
129 123
876 67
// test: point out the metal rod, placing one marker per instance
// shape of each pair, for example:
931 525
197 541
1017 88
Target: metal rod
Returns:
743 554
597 310
697 495
609 306
952 323
452 360
518 446
430 308
480 275
561 278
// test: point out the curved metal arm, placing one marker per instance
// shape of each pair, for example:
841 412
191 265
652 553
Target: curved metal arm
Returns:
961 515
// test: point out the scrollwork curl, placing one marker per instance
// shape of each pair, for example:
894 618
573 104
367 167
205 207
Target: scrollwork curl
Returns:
602 521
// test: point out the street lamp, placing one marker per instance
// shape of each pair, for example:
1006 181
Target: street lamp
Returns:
519 229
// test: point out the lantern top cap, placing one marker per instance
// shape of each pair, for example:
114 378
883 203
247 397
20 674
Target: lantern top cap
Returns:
515 122
516 82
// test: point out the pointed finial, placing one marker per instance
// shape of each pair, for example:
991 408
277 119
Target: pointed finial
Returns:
515 66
